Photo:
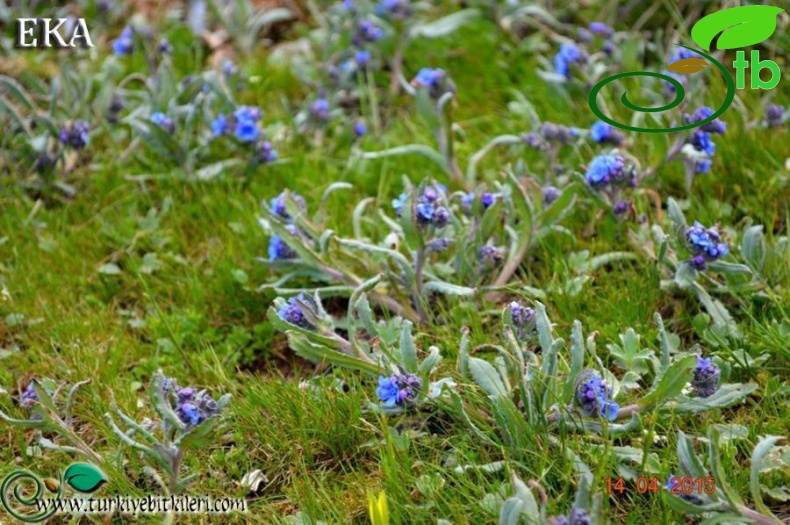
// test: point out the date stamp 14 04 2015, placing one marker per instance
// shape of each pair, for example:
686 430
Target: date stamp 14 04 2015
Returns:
677 485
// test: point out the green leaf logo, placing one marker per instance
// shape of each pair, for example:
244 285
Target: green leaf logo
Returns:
742 26
84 477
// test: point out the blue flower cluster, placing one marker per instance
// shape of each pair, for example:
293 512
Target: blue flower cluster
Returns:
774 115
568 55
398 389
437 245
714 126
607 170
163 121
533 140
601 29
705 244
292 312
700 139
366 33
266 152
244 122
75 134
706 377
124 44
395 9
594 396
603 133
558 133
29 397
523 318
319 110
435 80
191 406
574 517
487 199
278 248
428 209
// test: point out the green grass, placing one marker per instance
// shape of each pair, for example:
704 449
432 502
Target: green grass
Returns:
199 316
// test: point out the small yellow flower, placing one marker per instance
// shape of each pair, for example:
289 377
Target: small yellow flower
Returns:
377 507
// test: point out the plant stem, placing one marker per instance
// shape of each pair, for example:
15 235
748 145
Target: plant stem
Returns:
397 65
761 519
419 263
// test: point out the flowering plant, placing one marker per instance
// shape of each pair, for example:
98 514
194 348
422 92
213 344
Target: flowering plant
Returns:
187 420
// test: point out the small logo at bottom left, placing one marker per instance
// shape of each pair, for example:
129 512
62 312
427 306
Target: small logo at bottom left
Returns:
30 498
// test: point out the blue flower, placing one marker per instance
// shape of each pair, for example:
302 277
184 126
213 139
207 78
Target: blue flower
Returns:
189 414
620 207
441 217
229 68
279 249
366 32
246 130
774 114
435 80
362 58
466 203
602 133
702 166
29 396
359 128
606 169
248 113
266 152
533 140
278 206
599 28
387 392
424 211
705 242
575 517
550 194
291 311
567 55
398 9
162 120
124 44
75 134
219 126
714 126
164 47
319 110
487 199
398 203
191 407
398 389
594 396
706 377
702 142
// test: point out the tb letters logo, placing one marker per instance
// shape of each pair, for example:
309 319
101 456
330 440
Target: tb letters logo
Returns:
728 29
